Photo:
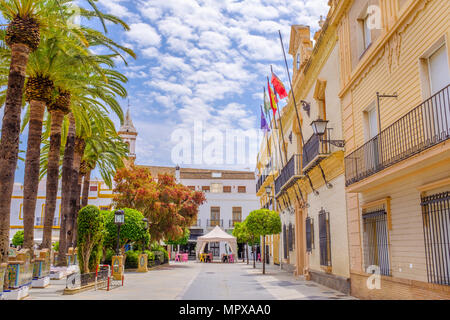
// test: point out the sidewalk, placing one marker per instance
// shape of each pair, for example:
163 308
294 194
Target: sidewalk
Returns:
285 286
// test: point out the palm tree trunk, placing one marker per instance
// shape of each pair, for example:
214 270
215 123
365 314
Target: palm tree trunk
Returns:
9 145
51 192
75 219
74 191
65 190
32 164
86 184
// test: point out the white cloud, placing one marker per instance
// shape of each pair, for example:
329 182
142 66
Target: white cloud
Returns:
206 60
143 34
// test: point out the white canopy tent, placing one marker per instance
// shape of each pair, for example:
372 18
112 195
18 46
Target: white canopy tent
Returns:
216 235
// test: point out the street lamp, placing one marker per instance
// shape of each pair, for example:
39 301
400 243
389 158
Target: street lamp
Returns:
119 219
319 127
145 222
268 191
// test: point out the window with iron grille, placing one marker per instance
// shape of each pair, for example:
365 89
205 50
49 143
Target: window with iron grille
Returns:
376 244
324 238
285 247
309 226
436 229
291 237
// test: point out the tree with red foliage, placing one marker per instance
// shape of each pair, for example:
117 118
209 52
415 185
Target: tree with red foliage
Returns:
170 207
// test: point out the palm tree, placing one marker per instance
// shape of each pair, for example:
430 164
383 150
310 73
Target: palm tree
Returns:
38 94
58 109
92 97
106 152
23 37
83 96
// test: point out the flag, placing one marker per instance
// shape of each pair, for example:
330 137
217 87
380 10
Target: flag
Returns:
278 86
266 102
264 125
273 99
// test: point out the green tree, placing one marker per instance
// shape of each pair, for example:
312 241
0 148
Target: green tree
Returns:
261 223
22 37
130 232
17 240
243 236
105 151
180 241
91 231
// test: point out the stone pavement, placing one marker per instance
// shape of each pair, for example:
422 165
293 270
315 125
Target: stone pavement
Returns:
202 281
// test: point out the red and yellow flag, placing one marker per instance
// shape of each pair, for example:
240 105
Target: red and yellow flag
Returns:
273 99
279 86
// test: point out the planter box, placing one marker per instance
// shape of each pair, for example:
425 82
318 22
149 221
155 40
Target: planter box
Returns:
41 282
16 294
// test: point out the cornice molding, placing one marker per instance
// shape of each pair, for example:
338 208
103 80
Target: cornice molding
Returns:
384 44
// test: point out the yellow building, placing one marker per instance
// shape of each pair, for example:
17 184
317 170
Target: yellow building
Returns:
309 185
394 73
314 174
267 164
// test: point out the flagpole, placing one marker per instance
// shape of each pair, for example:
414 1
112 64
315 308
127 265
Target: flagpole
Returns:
295 103
292 91
282 134
279 149
267 132
278 135
281 125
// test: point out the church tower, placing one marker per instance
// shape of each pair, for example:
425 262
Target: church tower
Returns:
128 133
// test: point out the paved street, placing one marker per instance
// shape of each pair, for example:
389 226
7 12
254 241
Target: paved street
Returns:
200 281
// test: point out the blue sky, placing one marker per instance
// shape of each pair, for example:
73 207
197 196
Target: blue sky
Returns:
204 60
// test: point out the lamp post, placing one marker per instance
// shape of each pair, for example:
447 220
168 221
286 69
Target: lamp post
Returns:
319 127
145 222
119 219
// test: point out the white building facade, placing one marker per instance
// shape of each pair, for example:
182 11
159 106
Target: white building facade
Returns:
230 197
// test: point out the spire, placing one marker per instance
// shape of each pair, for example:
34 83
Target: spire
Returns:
127 126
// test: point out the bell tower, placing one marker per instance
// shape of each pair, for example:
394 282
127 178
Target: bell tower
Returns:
128 133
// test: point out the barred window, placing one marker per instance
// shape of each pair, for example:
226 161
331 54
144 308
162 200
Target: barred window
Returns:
324 238
309 226
436 229
376 245
291 237
285 243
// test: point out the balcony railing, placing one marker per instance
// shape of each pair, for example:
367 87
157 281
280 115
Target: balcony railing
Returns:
314 150
423 127
290 173
214 223
261 180
233 222
197 223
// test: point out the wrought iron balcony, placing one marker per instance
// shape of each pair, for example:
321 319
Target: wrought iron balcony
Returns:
214 223
314 151
261 180
423 127
232 222
291 172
